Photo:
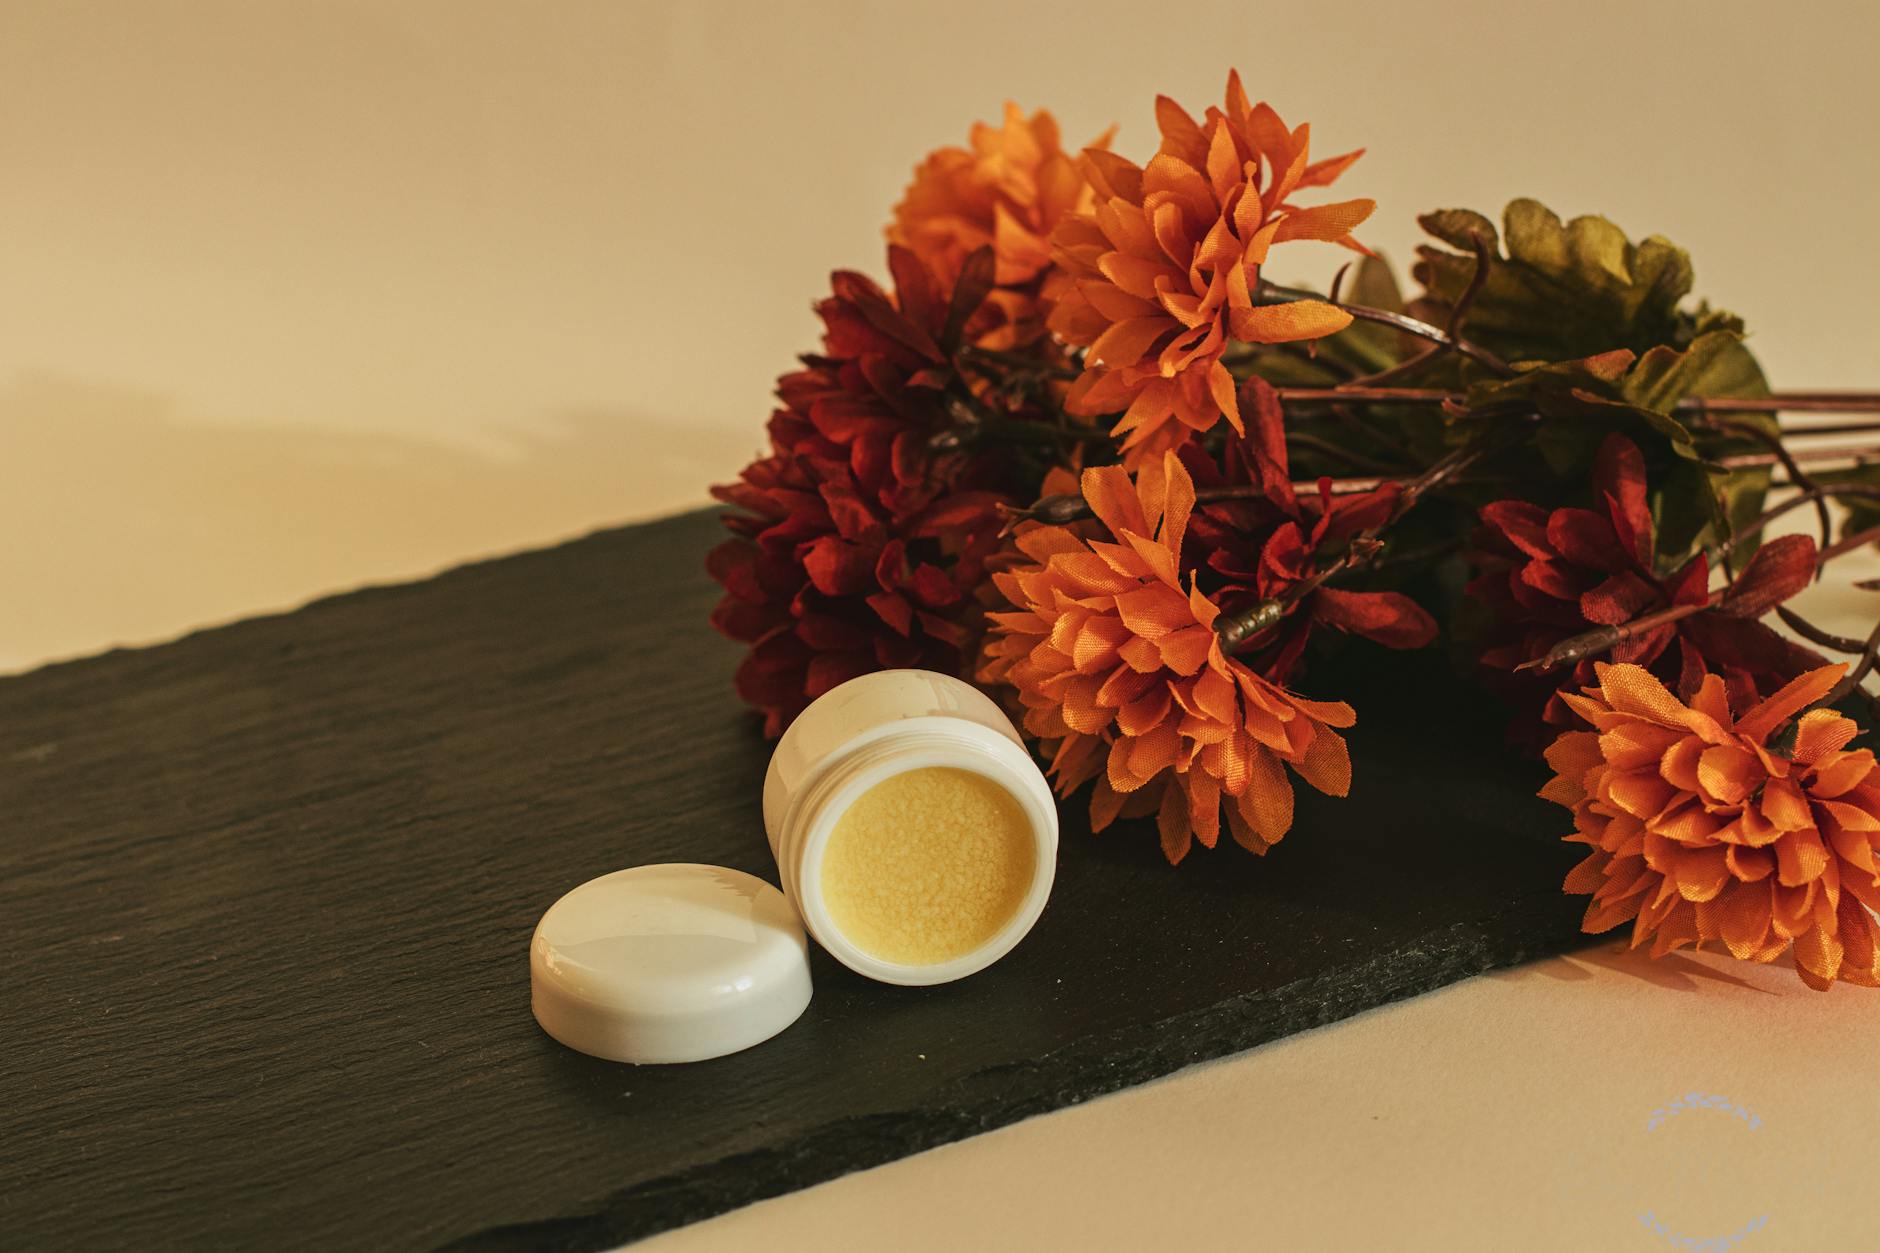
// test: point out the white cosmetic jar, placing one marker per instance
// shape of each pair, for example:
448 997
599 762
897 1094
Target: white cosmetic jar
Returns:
866 732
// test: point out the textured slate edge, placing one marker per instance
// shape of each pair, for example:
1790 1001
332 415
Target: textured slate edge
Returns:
1096 1066
365 592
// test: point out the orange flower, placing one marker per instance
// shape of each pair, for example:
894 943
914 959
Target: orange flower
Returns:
1122 670
1700 831
1008 191
1165 270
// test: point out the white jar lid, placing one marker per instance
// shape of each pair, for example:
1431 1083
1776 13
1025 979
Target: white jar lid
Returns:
669 963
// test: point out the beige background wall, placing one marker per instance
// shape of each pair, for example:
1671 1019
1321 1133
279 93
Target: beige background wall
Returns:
299 295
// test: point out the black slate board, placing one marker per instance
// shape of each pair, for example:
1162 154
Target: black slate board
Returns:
266 895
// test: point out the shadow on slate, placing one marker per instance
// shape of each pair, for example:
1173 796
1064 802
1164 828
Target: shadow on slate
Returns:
269 891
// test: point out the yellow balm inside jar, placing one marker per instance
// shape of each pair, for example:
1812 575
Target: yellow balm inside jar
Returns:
913 830
928 865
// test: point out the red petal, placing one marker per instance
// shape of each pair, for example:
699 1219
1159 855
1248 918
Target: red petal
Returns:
1619 474
838 568
1586 539
1390 618
1619 599
852 518
1780 568
1523 522
893 609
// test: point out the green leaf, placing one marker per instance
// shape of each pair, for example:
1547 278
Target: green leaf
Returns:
1696 501
1455 226
1716 365
1590 392
1556 291
1686 509
1373 283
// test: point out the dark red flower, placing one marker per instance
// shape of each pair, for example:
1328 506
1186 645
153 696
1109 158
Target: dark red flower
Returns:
1548 576
861 546
1263 547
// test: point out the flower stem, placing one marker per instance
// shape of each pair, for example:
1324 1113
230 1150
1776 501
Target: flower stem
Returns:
1273 294
1815 492
1849 543
1797 475
1457 312
1815 635
1869 655
1361 550
1604 639
1368 392
1578 648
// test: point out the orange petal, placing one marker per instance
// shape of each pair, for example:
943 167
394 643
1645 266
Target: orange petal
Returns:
1744 918
1790 909
1127 341
1155 610
1267 804
1573 753
1701 872
1842 773
1678 766
1327 764
1286 323
1634 690
1178 502
1243 832
1637 745
1727 773
1186 651
1223 163
1783 805
1204 806
1112 497
1171 820
1180 135
1797 694
1087 574
1325 173
1041 543
1145 713
1154 751
1326 221
1588 875
1713 698
1818 951
1638 792
1820 732
1333 713
1231 760
1124 685
1168 177
1221 390
1105 803
1750 865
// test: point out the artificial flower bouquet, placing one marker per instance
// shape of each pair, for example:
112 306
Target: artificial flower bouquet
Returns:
1083 452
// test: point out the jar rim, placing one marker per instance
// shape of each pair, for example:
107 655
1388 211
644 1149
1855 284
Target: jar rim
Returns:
898 747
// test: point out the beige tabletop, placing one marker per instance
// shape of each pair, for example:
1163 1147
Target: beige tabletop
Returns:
295 297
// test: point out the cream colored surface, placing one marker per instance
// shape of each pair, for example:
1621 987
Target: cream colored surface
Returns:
1509 1112
295 296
